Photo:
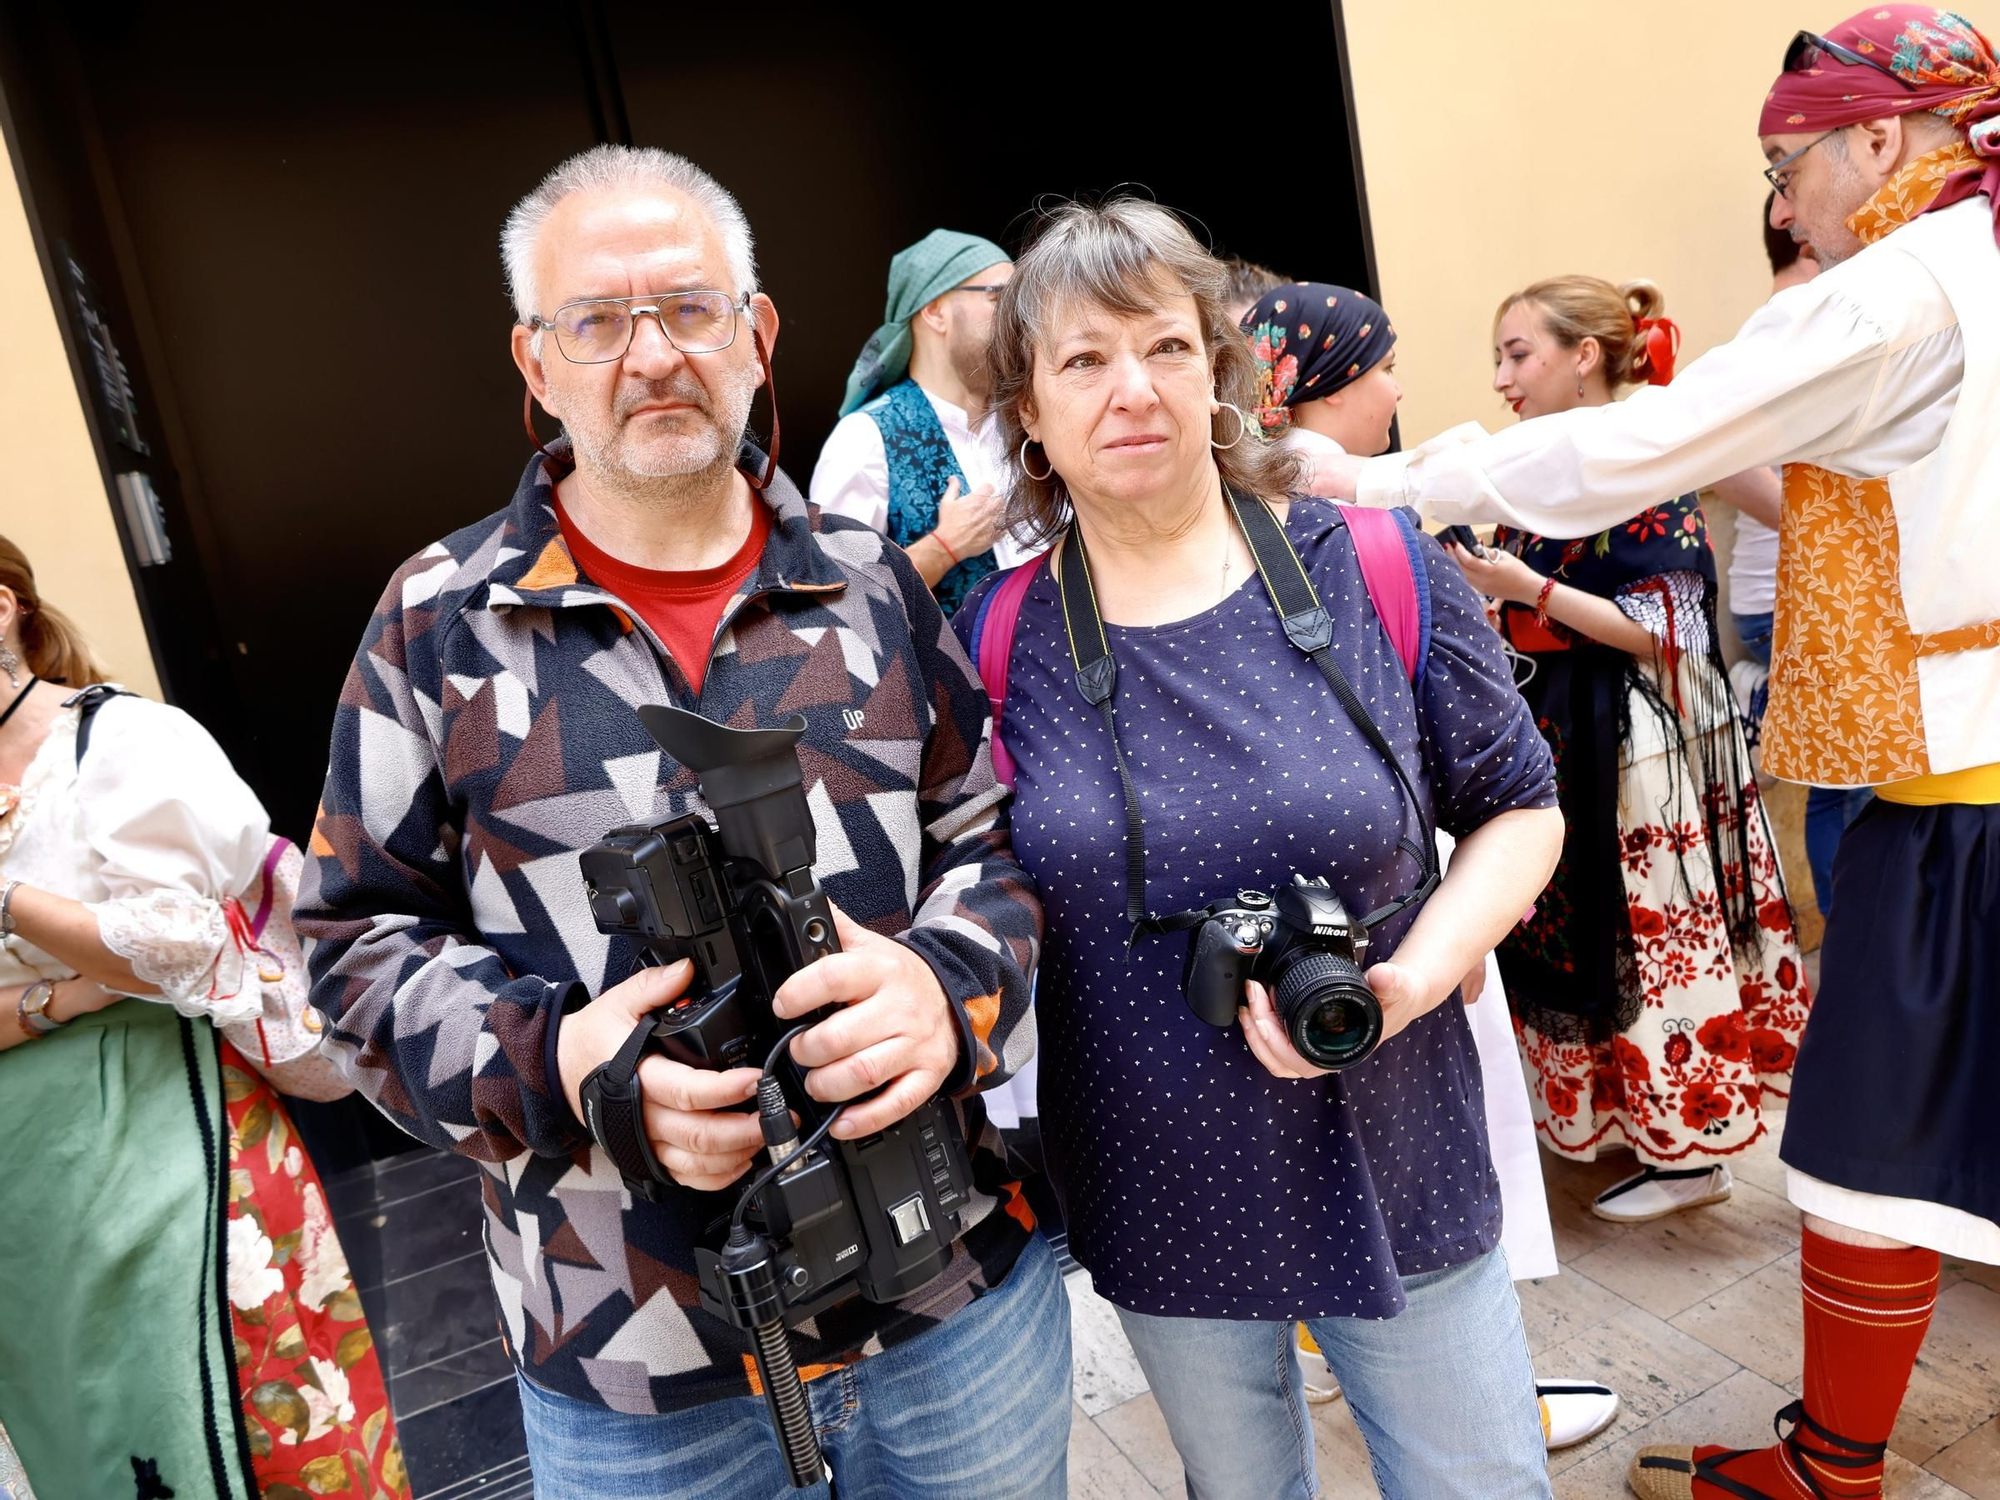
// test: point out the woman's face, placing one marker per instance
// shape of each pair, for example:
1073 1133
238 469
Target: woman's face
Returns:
1122 404
1532 372
1358 415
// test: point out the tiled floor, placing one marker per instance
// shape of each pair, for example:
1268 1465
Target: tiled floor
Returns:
1694 1320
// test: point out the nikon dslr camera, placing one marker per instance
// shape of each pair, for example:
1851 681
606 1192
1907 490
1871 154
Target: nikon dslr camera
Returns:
1307 951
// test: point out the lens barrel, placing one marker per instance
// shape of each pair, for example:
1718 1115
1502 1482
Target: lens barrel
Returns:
1327 1008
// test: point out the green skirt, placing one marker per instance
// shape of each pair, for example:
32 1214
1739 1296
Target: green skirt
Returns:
116 1372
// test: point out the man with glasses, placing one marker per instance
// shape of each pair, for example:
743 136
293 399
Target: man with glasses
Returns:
914 454
487 734
1877 385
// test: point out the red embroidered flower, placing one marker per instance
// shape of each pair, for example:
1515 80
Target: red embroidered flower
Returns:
1562 1096
1773 1053
1690 524
1774 916
1629 1061
1752 995
1725 1036
1788 975
1646 922
1679 1049
1607 1092
1648 524
1703 1104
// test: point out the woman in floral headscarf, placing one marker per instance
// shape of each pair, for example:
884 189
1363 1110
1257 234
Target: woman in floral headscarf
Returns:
1326 371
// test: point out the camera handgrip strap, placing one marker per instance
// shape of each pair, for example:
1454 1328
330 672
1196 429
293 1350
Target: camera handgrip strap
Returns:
614 1113
1307 626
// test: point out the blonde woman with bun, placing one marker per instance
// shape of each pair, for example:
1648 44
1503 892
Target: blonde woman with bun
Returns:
1657 990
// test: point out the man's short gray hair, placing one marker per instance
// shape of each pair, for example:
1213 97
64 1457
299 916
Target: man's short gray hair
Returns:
609 168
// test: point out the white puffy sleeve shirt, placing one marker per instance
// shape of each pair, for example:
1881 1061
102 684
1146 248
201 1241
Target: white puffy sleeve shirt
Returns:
1857 370
154 831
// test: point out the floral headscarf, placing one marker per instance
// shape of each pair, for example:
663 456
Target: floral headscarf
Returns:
1310 339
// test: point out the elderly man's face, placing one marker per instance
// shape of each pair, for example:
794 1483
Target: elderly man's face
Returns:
1121 404
1822 189
657 413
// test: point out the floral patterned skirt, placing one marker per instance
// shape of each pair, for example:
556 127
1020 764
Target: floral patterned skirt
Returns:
315 1407
1718 1031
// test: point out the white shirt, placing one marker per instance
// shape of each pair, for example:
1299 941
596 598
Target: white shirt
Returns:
1753 567
852 475
1857 370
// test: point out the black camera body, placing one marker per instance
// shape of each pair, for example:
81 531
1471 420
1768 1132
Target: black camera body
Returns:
1304 947
876 1215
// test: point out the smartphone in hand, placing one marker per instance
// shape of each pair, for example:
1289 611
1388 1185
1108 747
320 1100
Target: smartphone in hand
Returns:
1465 537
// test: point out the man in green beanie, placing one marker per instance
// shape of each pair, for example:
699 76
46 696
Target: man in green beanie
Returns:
914 454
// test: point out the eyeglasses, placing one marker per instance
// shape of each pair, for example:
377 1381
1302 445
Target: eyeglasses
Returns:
995 290
598 330
1804 54
1779 178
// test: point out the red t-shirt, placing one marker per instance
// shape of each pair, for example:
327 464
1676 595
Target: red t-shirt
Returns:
683 607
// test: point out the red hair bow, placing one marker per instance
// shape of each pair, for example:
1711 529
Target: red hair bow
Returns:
1663 345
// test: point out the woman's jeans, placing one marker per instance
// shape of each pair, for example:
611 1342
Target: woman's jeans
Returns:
1444 1394
1828 809
976 1408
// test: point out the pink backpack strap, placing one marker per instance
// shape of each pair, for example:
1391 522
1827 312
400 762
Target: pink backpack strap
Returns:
994 638
269 884
1385 549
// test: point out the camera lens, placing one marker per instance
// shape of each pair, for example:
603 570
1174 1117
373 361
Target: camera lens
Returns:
1328 1010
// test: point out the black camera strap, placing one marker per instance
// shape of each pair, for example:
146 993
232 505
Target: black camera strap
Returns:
1307 626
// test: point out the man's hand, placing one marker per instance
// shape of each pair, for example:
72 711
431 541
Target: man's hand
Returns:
970 523
897 1028
1335 476
702 1142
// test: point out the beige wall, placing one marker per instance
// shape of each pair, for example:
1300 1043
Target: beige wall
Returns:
1506 143
53 504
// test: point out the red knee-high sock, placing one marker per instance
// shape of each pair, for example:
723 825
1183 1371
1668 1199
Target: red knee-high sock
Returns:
1866 1314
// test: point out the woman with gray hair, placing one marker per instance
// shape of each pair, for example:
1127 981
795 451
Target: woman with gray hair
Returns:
1173 740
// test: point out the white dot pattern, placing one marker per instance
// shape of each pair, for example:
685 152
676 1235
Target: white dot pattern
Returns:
1193 1183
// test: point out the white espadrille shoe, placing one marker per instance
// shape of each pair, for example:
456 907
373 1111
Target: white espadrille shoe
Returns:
1657 1192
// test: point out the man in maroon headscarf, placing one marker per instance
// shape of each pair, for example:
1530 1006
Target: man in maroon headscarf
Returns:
1877 385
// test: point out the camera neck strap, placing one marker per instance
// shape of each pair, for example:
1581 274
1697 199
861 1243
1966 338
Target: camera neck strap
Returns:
1307 626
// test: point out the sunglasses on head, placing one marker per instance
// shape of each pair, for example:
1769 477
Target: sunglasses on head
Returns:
1808 49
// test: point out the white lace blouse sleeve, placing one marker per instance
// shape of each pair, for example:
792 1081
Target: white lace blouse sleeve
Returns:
178 833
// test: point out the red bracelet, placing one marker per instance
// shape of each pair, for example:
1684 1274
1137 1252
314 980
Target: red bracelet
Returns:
947 548
1542 602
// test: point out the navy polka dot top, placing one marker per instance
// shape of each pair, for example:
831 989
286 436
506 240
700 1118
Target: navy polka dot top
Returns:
1193 1183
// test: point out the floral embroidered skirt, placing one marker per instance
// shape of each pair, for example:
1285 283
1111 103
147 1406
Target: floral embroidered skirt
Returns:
1718 1030
176 1314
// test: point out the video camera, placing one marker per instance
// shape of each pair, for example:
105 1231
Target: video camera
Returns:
875 1216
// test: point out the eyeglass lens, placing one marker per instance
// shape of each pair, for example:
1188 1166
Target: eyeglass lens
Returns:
596 332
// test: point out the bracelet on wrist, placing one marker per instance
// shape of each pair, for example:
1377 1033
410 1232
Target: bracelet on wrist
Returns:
946 546
32 1010
1542 601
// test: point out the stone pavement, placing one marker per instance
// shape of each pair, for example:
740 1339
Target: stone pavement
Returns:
1694 1320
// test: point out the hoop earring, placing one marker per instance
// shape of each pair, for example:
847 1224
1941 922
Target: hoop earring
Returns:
1242 426
1038 478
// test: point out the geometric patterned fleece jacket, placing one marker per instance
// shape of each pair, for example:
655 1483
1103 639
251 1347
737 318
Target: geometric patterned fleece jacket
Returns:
486 735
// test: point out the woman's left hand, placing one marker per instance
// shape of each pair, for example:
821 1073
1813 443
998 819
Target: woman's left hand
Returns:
1403 993
1499 575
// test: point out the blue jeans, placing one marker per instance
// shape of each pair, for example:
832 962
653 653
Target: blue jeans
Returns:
976 1408
1828 812
1444 1393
